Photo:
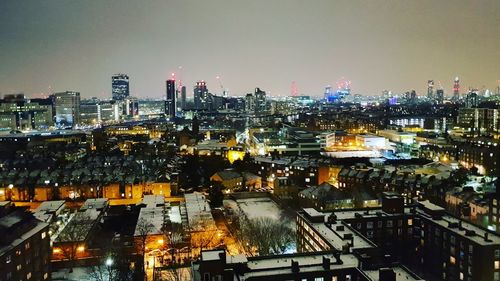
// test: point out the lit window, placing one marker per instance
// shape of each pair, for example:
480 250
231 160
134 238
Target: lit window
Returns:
497 264
318 279
410 222
43 235
452 259
8 259
28 276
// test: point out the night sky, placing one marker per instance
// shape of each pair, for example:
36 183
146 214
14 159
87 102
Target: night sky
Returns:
395 45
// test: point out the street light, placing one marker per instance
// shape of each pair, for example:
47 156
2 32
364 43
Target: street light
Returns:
109 262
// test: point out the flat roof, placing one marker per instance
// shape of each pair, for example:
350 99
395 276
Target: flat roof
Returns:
401 274
198 212
444 221
312 262
50 206
97 203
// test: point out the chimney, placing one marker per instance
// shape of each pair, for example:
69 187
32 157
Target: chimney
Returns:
295 266
386 274
228 274
336 254
326 263
486 237
222 256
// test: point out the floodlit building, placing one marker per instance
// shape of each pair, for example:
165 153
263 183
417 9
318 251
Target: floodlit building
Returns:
120 88
67 108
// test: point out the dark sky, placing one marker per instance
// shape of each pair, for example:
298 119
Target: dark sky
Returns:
377 44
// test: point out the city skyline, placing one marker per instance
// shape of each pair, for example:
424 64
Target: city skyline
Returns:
312 45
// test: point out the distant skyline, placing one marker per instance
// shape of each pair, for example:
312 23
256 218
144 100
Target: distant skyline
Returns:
391 45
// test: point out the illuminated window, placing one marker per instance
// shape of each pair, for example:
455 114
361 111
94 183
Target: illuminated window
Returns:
410 222
497 264
452 259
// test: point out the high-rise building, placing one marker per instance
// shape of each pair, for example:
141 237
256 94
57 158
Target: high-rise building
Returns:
472 99
19 113
183 97
131 107
413 97
249 103
67 107
440 96
260 100
170 106
456 89
430 90
120 86
201 96
24 246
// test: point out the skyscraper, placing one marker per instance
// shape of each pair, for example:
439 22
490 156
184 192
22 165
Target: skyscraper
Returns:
430 90
201 95
183 97
440 96
456 89
67 105
260 100
120 86
170 101
472 99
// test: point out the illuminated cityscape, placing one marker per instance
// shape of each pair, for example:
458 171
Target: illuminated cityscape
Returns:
280 140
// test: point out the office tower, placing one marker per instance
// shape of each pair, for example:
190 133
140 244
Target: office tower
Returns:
430 90
249 103
260 100
413 97
19 113
170 101
67 107
183 97
456 89
89 111
120 86
201 95
110 111
440 96
131 107
472 99
329 94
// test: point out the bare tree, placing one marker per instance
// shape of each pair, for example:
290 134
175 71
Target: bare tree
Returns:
265 236
205 238
176 238
71 241
143 230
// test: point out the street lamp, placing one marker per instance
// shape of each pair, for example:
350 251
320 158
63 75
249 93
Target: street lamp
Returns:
109 262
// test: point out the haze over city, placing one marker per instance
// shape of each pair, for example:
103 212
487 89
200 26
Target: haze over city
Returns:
378 45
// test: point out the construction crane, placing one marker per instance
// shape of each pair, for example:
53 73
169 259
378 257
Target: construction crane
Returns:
223 92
